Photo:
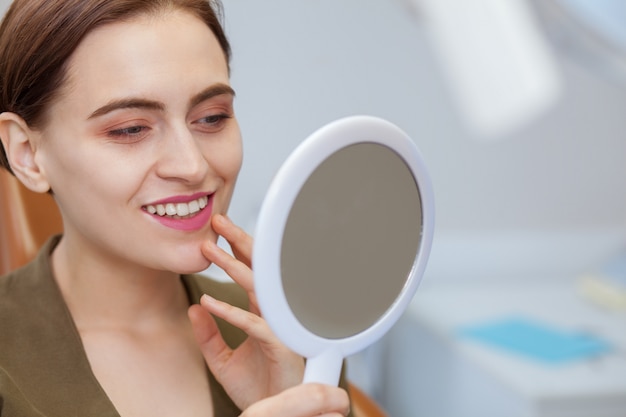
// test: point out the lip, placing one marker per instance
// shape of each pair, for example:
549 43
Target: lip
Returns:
192 223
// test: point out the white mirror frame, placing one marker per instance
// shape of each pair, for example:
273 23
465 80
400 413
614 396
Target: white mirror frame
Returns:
324 355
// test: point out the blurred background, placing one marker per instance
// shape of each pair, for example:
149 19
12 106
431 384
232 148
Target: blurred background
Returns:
519 109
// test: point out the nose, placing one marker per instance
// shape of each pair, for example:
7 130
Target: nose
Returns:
181 157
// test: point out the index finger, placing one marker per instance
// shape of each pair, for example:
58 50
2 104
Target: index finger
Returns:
236 269
240 242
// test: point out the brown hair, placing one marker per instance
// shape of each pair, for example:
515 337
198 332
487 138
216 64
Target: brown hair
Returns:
37 37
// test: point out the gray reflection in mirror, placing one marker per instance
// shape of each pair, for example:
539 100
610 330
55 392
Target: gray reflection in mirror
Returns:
350 240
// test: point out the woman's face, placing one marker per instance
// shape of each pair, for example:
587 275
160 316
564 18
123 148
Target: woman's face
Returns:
144 124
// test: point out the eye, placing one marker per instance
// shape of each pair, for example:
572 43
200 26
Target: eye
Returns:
130 133
213 123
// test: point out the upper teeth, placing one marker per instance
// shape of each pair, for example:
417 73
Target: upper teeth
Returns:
178 209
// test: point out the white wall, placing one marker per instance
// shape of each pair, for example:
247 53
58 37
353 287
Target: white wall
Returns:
300 64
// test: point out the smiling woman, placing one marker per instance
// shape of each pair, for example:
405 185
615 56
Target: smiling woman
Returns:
123 111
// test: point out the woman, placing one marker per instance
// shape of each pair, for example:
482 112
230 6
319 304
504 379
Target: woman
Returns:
123 111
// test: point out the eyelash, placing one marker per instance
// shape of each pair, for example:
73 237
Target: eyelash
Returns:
214 121
127 131
130 134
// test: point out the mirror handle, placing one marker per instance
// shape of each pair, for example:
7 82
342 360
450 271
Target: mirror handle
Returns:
324 368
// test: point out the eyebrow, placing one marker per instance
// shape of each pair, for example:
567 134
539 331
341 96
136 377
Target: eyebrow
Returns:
210 92
140 103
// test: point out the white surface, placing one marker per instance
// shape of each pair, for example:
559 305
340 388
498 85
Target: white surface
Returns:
444 310
484 380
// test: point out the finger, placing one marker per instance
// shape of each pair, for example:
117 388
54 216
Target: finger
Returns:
237 270
305 400
241 245
214 349
239 241
250 323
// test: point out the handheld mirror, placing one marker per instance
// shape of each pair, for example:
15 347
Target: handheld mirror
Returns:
342 241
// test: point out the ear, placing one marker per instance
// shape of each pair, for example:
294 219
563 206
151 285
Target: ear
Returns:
20 144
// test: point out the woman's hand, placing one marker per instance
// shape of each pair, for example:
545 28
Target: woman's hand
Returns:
261 366
306 400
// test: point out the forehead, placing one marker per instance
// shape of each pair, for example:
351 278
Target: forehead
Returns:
146 55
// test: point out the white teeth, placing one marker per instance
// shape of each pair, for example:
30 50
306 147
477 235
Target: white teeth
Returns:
182 209
179 209
170 209
194 207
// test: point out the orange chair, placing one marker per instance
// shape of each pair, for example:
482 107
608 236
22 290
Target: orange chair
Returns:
28 219
363 405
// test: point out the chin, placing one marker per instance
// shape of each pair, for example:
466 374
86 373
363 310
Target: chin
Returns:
184 259
188 271
190 267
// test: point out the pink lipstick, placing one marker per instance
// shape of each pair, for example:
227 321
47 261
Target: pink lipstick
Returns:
186 213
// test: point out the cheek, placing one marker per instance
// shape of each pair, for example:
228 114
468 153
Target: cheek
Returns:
60 163
84 174
227 160
237 160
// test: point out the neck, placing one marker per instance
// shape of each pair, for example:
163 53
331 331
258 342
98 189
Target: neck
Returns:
105 293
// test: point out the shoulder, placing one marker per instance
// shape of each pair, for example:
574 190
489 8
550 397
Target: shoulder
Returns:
31 306
17 290
29 290
18 280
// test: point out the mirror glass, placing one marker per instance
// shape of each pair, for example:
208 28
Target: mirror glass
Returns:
350 240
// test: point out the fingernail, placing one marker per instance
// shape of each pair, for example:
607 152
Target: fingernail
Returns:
207 298
208 246
218 219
